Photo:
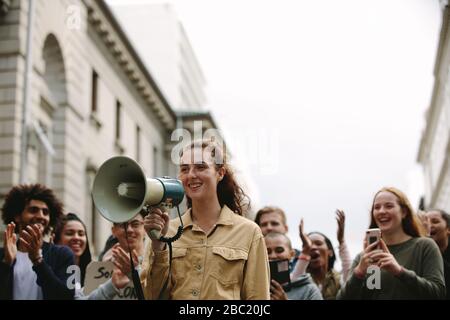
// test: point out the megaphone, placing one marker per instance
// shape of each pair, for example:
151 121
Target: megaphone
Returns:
121 190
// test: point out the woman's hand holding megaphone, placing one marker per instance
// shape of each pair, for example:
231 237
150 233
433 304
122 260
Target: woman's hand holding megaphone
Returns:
159 221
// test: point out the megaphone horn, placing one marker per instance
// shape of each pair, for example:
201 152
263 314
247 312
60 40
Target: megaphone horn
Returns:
121 190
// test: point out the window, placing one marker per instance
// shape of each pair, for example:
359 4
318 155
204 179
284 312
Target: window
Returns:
118 114
91 216
138 144
45 152
41 152
155 161
94 91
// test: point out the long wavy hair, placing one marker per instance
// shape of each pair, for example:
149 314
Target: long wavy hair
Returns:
411 224
229 192
85 257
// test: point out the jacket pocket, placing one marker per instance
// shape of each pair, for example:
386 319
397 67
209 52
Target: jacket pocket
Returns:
179 252
228 264
227 272
179 263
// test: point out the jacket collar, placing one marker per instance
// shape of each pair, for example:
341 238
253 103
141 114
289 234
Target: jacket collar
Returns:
225 217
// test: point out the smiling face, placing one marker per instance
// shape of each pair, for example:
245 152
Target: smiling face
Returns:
35 212
387 213
74 236
439 230
278 248
135 233
199 175
272 221
319 252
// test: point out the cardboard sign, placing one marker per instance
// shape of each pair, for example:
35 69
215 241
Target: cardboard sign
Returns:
98 272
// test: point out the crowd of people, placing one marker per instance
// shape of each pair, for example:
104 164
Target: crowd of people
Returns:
222 254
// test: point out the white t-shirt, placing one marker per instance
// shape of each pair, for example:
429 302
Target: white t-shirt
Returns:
25 286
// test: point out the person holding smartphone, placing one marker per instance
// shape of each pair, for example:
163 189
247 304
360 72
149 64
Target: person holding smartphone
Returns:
279 249
407 265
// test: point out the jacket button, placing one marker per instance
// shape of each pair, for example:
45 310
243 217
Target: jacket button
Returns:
195 292
198 267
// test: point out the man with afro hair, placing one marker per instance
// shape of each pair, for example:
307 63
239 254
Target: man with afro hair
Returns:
30 268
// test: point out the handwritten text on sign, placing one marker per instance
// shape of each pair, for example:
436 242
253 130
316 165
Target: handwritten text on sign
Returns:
98 272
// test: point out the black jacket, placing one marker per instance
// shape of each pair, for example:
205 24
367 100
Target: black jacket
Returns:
446 257
51 273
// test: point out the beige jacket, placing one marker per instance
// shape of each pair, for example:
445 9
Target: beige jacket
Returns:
229 263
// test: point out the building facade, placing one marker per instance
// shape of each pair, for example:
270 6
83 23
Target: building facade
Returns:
167 52
73 95
434 150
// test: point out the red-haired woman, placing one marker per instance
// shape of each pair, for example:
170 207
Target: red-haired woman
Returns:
403 264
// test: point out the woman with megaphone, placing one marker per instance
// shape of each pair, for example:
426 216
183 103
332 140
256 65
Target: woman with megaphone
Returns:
221 254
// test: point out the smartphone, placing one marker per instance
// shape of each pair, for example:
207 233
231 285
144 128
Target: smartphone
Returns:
373 235
279 271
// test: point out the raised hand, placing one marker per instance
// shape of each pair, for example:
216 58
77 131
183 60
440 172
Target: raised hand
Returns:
385 260
10 244
119 279
277 291
368 257
306 241
426 223
31 239
340 218
121 259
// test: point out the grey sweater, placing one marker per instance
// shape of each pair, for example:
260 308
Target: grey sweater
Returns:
423 277
303 288
106 291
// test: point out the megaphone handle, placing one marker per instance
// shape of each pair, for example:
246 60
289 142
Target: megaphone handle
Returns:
156 234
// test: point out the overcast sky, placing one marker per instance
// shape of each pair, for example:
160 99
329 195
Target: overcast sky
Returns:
333 92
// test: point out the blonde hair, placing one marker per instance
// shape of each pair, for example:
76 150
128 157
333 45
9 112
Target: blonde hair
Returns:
269 209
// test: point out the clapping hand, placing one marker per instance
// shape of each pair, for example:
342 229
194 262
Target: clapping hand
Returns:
31 240
10 244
